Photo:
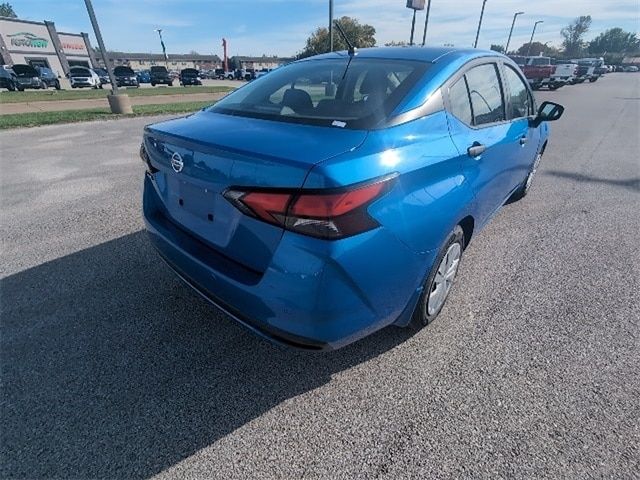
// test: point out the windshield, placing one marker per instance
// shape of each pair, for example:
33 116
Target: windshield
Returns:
158 70
25 71
190 72
100 71
123 72
79 72
326 92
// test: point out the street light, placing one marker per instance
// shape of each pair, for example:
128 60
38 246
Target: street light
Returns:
164 50
426 23
415 5
515 15
475 44
331 25
532 34
117 102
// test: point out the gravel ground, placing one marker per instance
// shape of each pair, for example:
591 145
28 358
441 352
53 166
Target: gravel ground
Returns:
111 368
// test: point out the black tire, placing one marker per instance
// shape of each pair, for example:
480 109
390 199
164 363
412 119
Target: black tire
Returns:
57 85
421 317
554 86
153 84
11 87
525 186
171 84
593 79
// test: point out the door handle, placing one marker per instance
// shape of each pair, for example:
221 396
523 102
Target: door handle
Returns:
476 149
523 140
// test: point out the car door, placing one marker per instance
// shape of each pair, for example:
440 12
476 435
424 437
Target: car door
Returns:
480 132
523 140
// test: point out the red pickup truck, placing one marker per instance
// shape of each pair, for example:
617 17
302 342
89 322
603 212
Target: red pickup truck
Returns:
540 72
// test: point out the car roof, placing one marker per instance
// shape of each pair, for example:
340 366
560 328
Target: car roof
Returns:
424 54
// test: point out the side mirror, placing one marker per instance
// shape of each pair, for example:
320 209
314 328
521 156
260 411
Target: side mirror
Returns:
548 112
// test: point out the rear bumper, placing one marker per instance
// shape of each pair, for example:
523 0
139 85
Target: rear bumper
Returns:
315 295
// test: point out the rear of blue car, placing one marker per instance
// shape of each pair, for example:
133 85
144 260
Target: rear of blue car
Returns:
312 204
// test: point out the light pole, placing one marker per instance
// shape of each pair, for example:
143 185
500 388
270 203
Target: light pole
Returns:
164 50
426 23
532 34
331 25
515 15
118 103
475 44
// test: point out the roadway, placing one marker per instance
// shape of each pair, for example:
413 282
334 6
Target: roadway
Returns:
111 368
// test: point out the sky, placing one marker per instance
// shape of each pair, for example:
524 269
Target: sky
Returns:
281 27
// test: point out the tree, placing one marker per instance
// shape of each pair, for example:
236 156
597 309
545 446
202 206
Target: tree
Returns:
393 43
359 35
6 10
497 48
538 48
573 34
614 40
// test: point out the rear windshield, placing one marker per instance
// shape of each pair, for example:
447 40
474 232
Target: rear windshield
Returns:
190 72
25 71
123 71
79 72
328 92
158 70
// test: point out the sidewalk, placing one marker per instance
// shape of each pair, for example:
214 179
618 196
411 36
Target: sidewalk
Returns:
57 106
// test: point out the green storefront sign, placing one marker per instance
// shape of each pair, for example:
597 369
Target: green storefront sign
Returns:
27 39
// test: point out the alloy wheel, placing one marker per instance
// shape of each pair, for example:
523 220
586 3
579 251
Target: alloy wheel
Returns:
443 280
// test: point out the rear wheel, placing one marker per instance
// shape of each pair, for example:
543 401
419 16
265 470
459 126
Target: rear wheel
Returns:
11 87
57 86
593 79
440 280
523 189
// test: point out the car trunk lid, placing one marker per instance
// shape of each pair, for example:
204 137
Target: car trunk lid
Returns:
200 156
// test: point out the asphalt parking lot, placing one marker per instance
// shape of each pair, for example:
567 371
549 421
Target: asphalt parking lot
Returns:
111 368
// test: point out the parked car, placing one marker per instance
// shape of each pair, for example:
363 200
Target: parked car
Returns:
28 77
160 76
588 69
103 75
540 72
190 76
220 74
315 222
9 80
125 76
49 78
144 76
631 68
84 77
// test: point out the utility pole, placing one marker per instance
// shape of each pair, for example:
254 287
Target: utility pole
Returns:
426 23
532 34
515 15
331 25
475 44
118 103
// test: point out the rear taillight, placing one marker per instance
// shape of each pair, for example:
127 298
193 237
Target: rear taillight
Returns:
323 213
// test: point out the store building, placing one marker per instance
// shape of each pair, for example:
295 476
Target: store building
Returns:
40 44
143 61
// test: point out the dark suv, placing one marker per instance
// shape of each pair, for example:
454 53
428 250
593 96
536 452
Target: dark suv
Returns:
49 78
190 76
9 80
125 76
28 77
160 75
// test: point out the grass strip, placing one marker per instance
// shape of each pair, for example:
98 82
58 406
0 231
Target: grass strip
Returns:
83 94
21 120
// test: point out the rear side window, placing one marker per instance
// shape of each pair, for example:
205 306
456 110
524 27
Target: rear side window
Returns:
485 93
459 99
520 101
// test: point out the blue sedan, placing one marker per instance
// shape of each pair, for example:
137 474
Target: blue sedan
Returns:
336 195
